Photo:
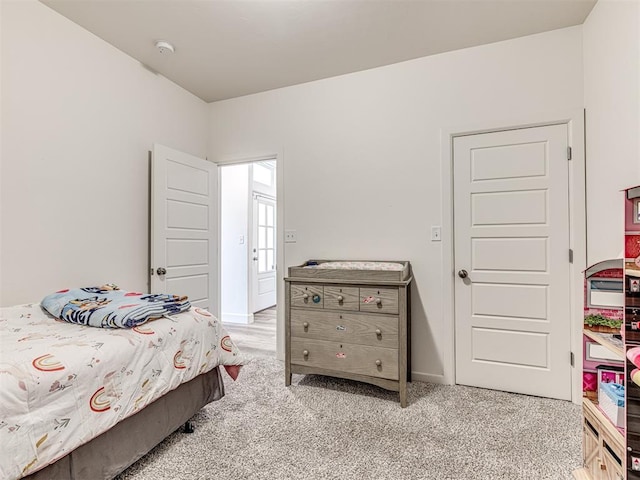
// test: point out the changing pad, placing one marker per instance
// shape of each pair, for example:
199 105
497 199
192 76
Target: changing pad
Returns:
386 266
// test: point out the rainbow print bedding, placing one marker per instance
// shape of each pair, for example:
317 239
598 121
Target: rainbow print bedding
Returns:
63 384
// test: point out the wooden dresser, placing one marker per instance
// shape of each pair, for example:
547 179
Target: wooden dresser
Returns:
349 322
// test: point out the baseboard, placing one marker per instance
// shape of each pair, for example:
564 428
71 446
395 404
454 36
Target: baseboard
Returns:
242 318
427 378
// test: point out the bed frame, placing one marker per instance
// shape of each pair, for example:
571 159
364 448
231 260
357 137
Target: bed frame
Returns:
112 452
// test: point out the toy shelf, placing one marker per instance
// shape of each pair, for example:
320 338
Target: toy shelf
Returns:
607 340
613 431
603 446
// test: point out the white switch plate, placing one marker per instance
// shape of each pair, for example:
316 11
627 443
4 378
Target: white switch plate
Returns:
290 236
241 239
436 234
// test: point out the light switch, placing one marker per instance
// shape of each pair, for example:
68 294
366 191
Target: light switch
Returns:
436 233
241 239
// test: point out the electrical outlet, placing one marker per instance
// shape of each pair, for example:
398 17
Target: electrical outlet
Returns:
436 234
290 236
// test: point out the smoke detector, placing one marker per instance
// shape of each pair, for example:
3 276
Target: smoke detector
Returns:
164 47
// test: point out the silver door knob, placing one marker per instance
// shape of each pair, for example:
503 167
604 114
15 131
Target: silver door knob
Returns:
305 353
378 363
463 274
340 298
305 325
378 332
378 301
161 271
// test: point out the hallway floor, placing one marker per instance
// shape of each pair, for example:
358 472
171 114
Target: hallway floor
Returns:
258 338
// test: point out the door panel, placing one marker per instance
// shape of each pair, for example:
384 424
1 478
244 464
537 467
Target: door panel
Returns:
509 300
506 254
183 235
187 252
511 217
509 208
510 347
509 161
266 285
186 215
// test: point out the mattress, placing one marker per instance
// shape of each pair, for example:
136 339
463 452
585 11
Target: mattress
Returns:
63 384
109 454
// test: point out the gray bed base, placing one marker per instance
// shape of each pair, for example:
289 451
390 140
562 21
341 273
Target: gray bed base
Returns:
107 455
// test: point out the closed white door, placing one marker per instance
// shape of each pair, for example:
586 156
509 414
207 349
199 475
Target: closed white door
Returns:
263 271
512 309
183 225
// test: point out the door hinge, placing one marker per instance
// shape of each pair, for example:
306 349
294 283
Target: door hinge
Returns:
151 271
569 153
570 255
572 359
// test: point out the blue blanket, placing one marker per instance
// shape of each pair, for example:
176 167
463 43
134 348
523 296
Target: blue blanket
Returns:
109 307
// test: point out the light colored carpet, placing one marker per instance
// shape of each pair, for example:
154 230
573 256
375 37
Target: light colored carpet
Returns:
324 428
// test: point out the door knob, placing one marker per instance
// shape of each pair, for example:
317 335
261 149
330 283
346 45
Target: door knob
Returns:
463 274
161 271
255 259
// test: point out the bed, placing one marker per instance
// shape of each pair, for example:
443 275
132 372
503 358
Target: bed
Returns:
79 402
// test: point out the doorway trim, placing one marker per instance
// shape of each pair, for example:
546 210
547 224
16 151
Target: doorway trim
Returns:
574 119
280 263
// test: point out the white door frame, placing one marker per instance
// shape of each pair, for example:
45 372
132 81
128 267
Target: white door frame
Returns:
574 120
280 263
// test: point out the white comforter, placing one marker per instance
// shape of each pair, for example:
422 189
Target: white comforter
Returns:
63 384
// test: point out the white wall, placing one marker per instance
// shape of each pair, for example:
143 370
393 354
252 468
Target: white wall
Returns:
234 207
78 117
361 153
612 102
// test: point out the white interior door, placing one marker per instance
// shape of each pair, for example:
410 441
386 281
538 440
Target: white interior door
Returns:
183 226
263 260
512 311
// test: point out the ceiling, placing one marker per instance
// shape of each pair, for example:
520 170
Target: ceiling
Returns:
230 48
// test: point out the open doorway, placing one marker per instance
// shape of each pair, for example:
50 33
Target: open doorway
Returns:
248 293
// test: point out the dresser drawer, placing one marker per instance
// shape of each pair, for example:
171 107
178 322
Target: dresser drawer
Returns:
379 300
358 328
307 296
342 298
345 357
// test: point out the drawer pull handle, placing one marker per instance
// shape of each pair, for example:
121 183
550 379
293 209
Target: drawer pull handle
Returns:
340 298
378 363
378 301
305 353
378 332
305 296
305 325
